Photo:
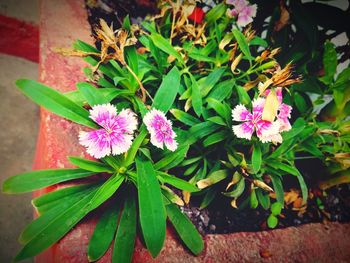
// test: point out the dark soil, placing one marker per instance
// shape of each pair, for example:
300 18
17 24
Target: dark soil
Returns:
219 217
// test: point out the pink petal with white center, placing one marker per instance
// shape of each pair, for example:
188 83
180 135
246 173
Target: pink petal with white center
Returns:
240 113
230 2
97 143
102 114
244 130
129 120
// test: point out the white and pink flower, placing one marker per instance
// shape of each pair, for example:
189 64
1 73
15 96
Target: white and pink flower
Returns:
160 129
116 135
242 11
265 130
253 122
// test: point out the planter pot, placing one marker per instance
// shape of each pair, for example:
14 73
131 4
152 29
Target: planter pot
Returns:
64 21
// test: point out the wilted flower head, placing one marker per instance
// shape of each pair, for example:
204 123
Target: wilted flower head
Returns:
243 11
115 136
160 129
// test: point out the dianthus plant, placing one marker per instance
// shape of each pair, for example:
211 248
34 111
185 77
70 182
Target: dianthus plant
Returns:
190 100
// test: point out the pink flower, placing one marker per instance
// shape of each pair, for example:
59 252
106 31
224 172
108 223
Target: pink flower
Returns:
243 11
253 122
115 136
160 129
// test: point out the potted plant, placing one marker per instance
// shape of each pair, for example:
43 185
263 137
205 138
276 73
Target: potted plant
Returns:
181 95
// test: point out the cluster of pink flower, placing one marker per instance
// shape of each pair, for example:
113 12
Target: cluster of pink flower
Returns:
242 11
117 131
265 130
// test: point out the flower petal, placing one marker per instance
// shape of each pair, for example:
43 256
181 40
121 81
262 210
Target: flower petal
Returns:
240 113
244 130
265 130
97 143
127 120
103 114
120 143
258 107
284 111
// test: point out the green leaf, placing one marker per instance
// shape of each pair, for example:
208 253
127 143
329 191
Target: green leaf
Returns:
196 97
184 117
256 158
60 197
303 187
49 212
177 182
208 197
105 191
172 159
263 198
163 44
242 43
54 229
167 91
34 180
220 108
55 102
215 13
130 157
284 167
213 178
215 138
186 230
253 200
92 94
329 62
104 232
276 208
243 95
211 80
272 221
89 165
277 186
239 189
126 233
151 207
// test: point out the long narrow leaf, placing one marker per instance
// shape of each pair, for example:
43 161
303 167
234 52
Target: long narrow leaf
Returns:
28 182
151 207
55 102
186 230
104 233
125 237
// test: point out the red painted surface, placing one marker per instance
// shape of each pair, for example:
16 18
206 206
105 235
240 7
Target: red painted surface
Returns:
19 38
61 23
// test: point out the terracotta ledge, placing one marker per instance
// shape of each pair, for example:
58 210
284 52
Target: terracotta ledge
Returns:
61 23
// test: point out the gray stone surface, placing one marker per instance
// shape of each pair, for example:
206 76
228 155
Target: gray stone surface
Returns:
18 134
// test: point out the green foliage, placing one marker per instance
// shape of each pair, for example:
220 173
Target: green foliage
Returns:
196 82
